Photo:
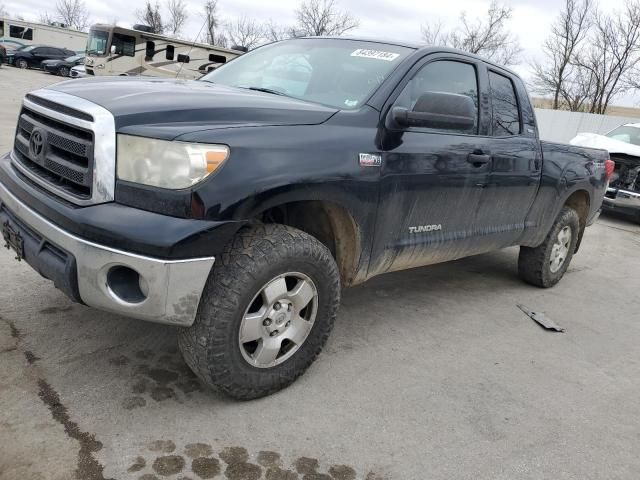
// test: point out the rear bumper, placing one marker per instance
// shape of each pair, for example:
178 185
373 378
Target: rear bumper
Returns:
164 291
616 199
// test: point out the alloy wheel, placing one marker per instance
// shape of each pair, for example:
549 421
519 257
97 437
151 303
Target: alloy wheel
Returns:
278 320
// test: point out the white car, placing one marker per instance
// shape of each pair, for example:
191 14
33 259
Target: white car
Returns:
623 144
78 72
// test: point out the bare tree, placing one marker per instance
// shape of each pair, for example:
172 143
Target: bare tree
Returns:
73 13
322 17
46 18
487 36
150 15
3 10
213 22
558 75
177 10
275 32
612 56
245 32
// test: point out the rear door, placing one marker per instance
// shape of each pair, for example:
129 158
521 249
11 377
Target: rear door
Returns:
433 181
516 164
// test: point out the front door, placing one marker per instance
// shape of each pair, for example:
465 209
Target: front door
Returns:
433 181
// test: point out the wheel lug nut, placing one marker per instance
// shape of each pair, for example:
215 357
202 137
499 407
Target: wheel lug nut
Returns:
274 333
277 306
288 323
267 322
290 307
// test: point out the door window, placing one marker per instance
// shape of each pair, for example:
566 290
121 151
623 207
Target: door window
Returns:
446 76
506 114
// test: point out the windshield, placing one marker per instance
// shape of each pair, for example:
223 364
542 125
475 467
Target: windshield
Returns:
26 49
340 73
75 58
97 42
626 134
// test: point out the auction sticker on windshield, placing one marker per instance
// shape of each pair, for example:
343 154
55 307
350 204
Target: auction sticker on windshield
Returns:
377 54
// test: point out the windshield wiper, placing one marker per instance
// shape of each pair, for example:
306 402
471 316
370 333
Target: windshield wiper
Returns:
266 90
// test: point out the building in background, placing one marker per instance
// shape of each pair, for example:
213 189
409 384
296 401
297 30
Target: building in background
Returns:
18 33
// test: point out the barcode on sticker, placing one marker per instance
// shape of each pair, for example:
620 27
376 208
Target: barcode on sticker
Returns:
377 54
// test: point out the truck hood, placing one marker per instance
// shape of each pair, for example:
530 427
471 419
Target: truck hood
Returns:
167 108
612 145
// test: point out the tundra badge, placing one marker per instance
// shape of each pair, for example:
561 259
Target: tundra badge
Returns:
425 228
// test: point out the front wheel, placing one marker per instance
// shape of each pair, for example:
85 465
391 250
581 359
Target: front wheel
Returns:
22 63
265 314
544 265
63 72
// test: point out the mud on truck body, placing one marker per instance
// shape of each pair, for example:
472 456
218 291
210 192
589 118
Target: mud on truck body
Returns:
236 207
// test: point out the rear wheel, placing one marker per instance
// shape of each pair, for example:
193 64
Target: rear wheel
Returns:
265 314
63 72
22 63
544 265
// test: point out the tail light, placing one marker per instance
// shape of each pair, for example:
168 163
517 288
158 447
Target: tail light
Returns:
609 167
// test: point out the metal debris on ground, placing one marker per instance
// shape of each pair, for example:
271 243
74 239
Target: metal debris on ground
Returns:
542 320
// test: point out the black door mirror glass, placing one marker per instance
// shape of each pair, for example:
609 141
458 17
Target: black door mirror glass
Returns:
440 111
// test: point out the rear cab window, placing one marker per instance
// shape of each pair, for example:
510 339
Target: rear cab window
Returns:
506 119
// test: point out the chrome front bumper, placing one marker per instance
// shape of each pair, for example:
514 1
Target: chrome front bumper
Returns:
169 290
624 199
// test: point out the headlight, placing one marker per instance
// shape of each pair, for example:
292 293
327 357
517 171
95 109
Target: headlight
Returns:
164 164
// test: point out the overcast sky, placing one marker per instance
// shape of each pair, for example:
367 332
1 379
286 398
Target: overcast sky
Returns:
388 19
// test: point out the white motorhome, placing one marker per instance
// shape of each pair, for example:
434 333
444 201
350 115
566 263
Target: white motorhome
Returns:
115 50
17 33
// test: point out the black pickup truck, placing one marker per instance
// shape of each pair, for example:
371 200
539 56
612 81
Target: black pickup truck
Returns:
237 206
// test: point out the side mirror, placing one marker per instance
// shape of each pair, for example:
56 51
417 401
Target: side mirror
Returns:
112 50
213 58
182 58
438 110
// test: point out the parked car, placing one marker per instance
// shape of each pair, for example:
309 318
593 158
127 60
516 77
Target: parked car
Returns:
32 56
63 66
237 206
623 143
78 72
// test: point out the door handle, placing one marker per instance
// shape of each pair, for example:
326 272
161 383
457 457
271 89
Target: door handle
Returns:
478 158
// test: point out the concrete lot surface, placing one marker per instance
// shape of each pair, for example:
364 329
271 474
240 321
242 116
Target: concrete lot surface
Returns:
432 373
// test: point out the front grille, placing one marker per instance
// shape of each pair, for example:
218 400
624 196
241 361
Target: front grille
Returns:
66 161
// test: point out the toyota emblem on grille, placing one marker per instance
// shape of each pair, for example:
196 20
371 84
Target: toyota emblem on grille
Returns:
36 144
